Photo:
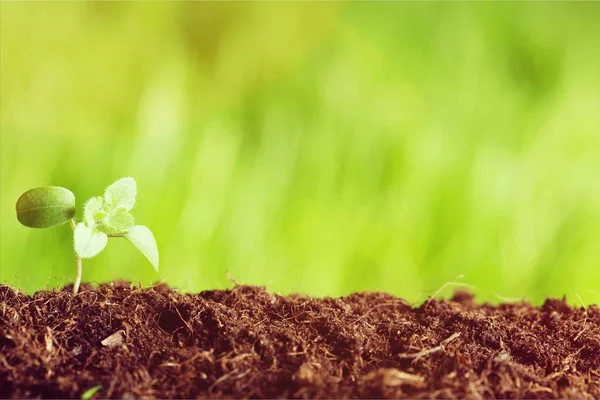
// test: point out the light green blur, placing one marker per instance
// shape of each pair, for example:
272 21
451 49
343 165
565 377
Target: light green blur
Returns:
322 148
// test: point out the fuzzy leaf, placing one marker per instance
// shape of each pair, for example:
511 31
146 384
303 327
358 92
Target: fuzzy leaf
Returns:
121 193
88 242
45 207
118 221
93 211
142 238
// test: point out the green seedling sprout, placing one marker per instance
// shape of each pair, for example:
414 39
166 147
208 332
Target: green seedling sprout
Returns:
88 394
104 217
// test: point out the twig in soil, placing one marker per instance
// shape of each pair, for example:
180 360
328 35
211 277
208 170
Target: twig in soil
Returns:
506 299
374 307
232 279
48 340
584 319
541 389
432 350
445 285
113 381
208 355
221 379
393 377
474 391
184 321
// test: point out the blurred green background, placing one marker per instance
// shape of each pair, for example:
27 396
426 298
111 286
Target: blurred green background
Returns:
322 148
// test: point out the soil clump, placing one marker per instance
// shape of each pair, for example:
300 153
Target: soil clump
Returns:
248 342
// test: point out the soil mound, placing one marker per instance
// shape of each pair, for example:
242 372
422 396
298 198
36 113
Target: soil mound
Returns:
248 342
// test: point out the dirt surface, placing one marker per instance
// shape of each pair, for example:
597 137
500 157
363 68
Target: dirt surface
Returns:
248 342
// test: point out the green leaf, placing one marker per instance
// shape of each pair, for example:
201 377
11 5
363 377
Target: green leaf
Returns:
93 211
45 207
88 394
88 241
117 221
121 193
142 238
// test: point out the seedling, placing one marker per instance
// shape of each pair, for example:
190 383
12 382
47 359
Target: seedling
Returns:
104 217
88 394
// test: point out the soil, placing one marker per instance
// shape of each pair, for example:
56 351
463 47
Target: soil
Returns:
248 342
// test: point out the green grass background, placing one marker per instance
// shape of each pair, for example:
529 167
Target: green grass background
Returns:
322 148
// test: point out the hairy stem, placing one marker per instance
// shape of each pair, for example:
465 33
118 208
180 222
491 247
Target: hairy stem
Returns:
78 263
78 277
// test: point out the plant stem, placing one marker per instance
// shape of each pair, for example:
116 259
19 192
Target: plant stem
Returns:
78 263
78 277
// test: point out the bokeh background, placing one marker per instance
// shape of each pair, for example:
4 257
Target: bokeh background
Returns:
322 148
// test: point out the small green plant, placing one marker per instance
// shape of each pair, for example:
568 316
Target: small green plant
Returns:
88 394
103 217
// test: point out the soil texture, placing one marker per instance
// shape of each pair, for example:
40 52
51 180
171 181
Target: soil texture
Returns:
249 342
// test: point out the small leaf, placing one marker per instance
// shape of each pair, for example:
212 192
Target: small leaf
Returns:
117 221
45 207
88 241
142 238
88 394
93 207
121 193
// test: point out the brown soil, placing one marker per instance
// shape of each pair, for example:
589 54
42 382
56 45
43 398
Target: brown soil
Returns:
248 342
